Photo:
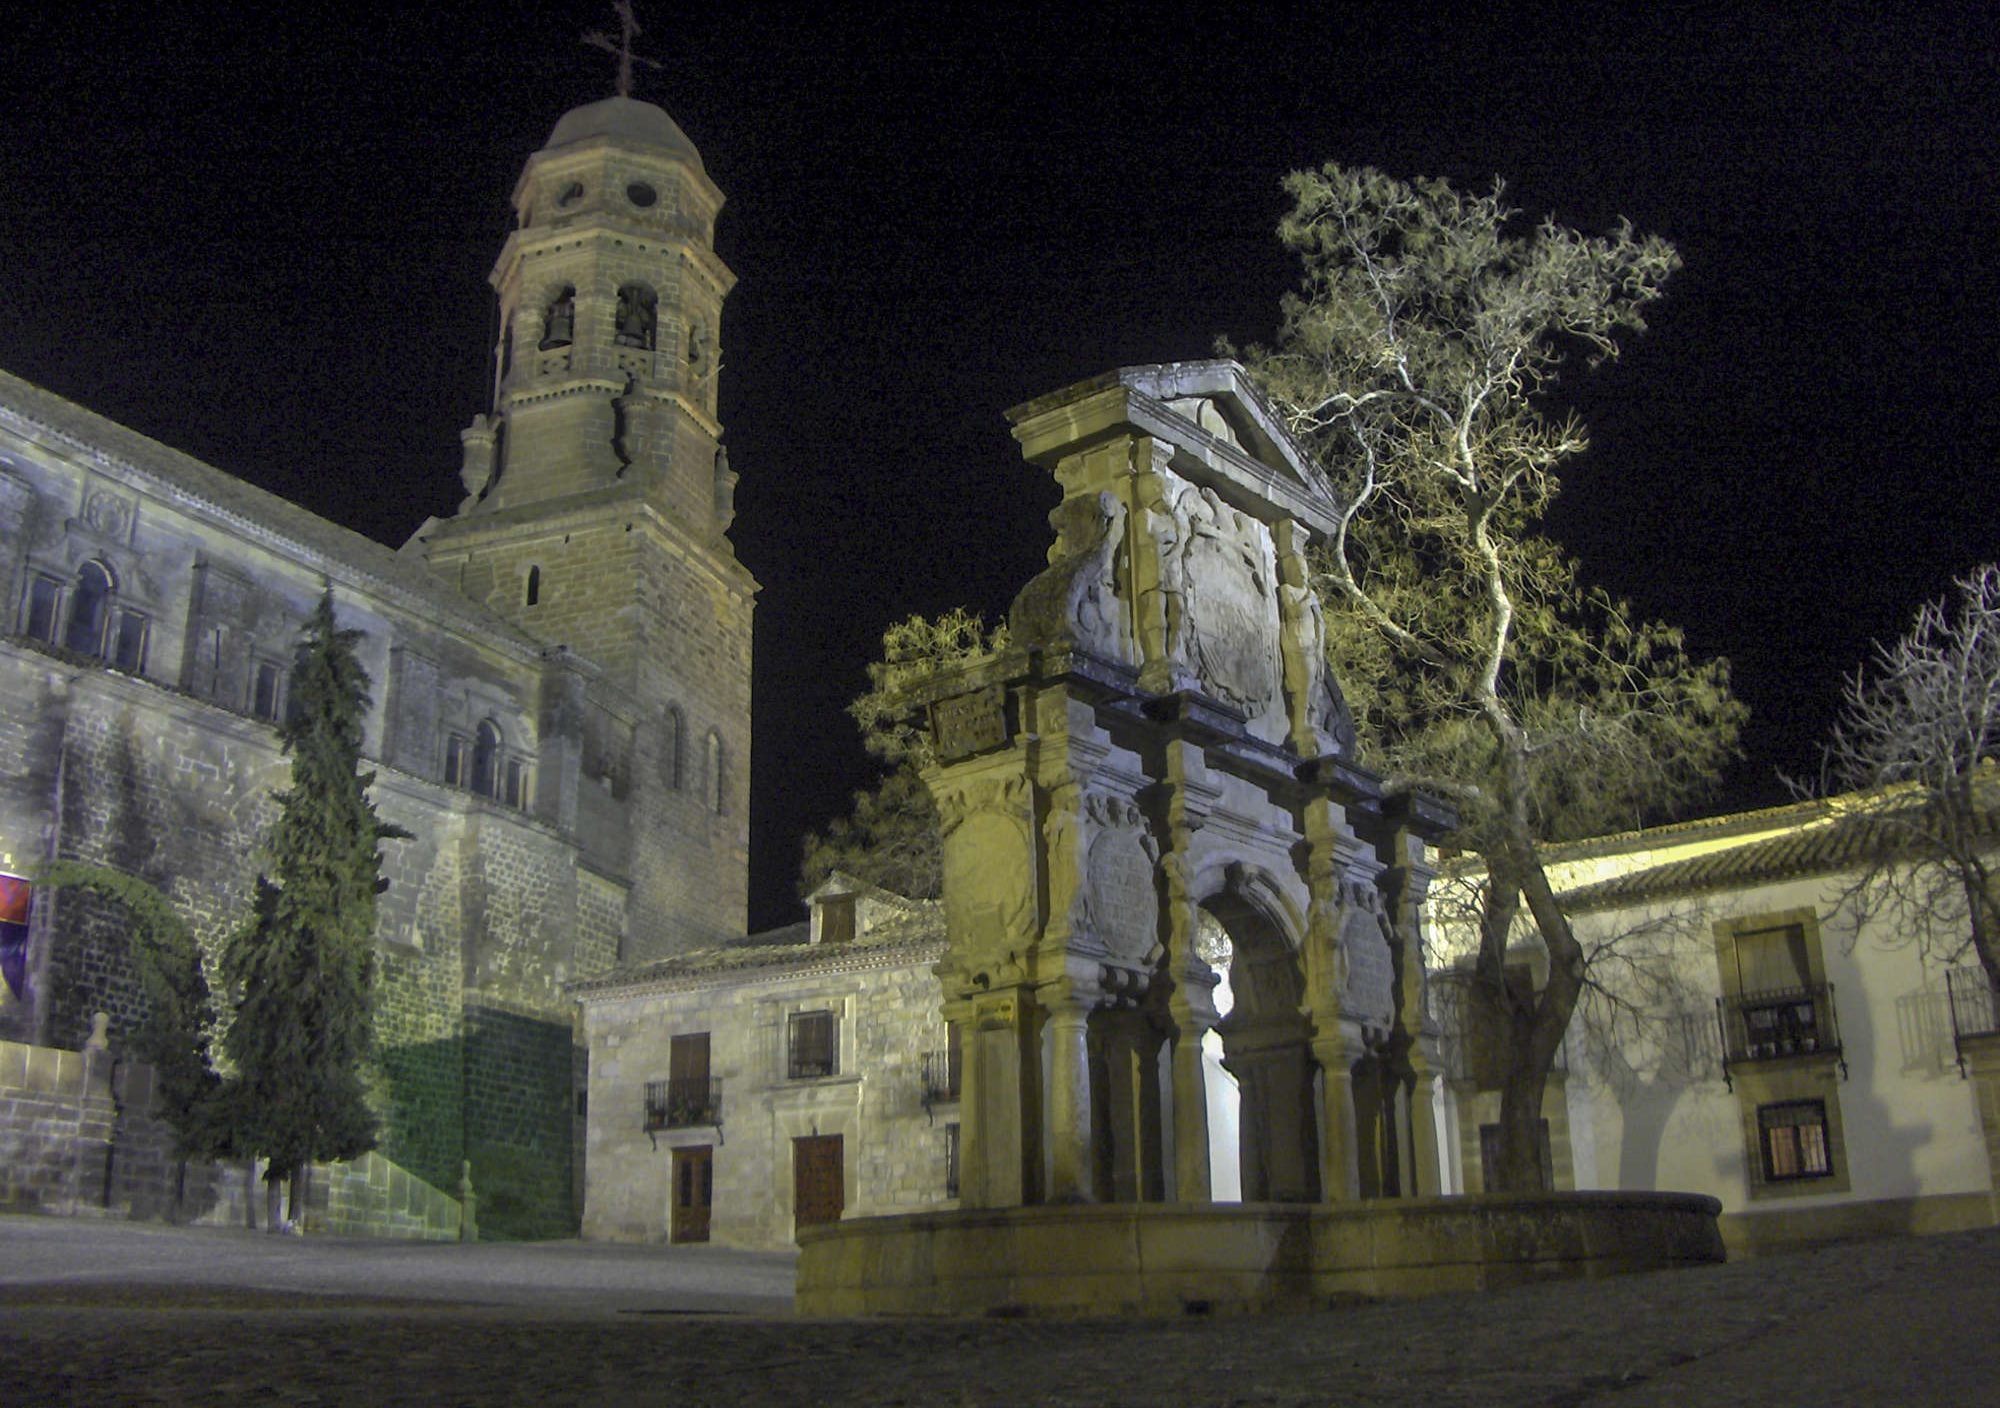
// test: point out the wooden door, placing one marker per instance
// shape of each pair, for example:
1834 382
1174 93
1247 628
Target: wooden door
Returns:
818 1192
694 1189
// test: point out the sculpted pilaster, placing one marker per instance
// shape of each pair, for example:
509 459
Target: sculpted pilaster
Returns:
1159 572
1317 713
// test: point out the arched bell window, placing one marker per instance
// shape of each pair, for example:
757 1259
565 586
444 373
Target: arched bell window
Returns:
486 745
638 316
90 609
559 320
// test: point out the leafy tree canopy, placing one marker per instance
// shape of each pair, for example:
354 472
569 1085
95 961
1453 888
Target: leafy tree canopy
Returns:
891 837
1416 361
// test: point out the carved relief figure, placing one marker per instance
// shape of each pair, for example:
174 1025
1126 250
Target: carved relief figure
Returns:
1076 599
1326 724
1163 602
1232 611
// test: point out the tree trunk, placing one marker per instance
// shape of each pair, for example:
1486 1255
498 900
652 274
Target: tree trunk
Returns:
274 1220
1980 908
1536 1020
301 1185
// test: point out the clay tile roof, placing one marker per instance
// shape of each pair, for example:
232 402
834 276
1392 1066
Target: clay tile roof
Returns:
1828 847
908 936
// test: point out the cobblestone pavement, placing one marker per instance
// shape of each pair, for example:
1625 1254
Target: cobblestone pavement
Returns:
111 1314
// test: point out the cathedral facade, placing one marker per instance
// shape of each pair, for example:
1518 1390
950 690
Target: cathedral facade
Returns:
560 674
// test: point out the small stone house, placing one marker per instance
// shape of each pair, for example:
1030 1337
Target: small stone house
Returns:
741 1092
1815 1070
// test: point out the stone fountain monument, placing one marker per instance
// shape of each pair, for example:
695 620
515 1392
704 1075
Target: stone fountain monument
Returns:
1156 774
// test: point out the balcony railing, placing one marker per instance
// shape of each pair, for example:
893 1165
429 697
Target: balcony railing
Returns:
940 1079
682 1104
1975 1008
1778 1023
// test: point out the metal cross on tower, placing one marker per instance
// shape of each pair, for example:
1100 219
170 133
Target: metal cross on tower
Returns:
628 26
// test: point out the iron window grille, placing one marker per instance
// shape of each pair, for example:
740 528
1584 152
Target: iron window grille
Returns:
1792 1140
812 1046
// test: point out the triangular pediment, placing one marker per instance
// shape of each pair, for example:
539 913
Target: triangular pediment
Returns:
1223 433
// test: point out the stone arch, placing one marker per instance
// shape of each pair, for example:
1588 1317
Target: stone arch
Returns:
638 317
488 748
91 595
1266 1043
558 318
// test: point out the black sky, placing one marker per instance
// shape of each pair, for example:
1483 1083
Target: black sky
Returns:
263 237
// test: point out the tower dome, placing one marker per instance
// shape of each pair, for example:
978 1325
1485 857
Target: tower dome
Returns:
626 121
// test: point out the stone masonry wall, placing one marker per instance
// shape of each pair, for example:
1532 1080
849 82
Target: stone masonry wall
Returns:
481 910
895 1154
79 1134
55 1126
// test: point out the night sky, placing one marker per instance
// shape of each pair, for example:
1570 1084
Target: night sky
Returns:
266 242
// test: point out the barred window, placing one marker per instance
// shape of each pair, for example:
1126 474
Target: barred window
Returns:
813 1045
1793 1136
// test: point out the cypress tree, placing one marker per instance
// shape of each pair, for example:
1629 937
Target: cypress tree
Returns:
301 968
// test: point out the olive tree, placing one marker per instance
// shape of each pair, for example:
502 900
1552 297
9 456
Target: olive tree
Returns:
891 837
1417 361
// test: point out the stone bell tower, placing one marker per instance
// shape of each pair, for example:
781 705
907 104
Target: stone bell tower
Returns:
598 498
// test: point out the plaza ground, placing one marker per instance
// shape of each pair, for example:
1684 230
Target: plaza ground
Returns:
116 1313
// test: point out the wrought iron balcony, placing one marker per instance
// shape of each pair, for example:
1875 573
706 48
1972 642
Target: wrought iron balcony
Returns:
1975 1008
1777 1024
682 1104
940 1080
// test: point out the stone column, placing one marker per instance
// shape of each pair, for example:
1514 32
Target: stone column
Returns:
1132 1062
1336 1051
1071 1149
1336 1041
1405 885
991 1154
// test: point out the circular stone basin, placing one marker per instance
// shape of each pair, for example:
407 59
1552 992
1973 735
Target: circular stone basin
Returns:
1200 1258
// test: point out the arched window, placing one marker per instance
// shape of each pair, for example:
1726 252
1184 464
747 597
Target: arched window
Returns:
90 609
486 760
671 731
638 313
534 586
559 320
714 772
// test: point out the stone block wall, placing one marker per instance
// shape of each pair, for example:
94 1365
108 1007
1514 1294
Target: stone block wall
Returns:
56 1118
894 1152
79 1135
